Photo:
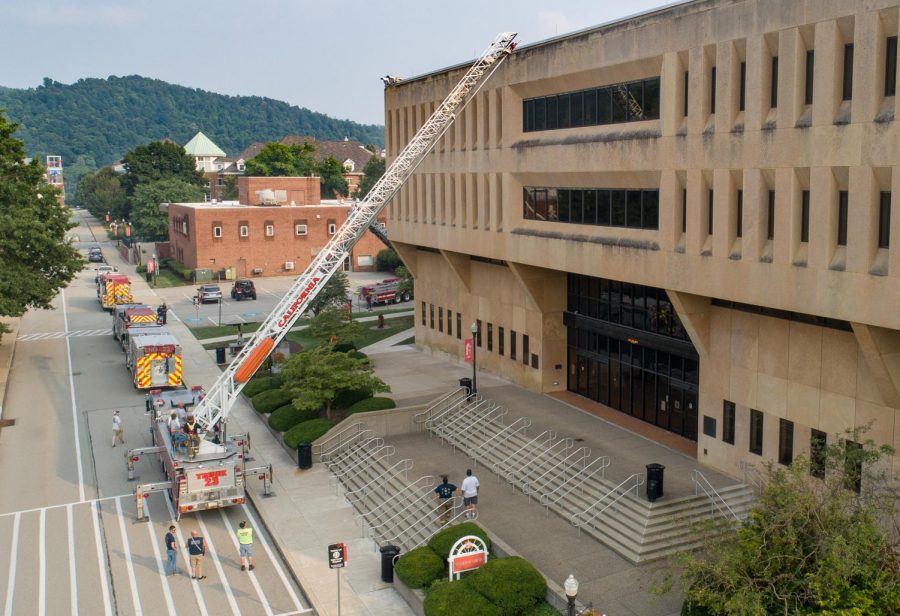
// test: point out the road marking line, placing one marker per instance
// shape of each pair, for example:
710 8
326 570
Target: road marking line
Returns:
268 550
73 584
72 397
215 558
125 544
234 541
42 569
101 561
13 554
306 611
48 507
159 564
201 604
173 315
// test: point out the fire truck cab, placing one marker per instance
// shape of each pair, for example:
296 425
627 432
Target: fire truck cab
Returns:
114 289
130 317
154 358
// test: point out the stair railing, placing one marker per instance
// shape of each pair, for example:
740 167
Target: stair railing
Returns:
439 405
533 485
336 441
412 510
717 503
381 452
462 416
595 466
421 486
430 519
456 518
519 474
752 477
451 409
398 469
519 426
353 452
584 517
458 433
541 440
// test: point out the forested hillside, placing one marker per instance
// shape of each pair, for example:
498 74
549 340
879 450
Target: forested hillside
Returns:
93 122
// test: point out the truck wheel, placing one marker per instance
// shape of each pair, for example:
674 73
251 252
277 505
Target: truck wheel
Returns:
406 297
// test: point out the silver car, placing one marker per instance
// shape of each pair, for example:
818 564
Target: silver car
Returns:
209 293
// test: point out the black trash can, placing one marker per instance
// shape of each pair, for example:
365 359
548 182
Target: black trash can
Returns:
304 455
466 382
220 355
388 554
655 481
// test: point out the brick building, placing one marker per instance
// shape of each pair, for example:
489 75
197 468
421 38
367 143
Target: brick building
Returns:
263 234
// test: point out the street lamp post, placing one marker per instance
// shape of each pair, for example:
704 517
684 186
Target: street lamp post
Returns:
571 586
474 330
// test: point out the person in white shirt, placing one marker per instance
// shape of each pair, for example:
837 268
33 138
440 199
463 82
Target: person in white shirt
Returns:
470 487
118 432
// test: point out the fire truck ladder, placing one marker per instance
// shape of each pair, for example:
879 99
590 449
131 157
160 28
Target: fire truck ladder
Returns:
379 232
627 99
219 399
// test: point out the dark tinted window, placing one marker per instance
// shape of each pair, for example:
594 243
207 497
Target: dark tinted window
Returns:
843 204
773 93
810 72
728 412
890 67
739 223
848 72
770 216
785 442
756 432
743 86
712 90
884 220
804 216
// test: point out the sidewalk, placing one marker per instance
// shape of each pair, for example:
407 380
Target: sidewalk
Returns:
7 351
388 345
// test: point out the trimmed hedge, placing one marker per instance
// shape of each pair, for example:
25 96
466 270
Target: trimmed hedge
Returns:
358 355
344 347
372 404
420 567
141 269
444 540
542 609
259 384
512 584
268 401
185 272
306 432
286 417
348 397
457 599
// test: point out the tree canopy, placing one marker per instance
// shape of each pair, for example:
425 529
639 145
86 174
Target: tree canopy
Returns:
333 294
373 171
331 174
159 160
329 326
35 260
149 221
101 192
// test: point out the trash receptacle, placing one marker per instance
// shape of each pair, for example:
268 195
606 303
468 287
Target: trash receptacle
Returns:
220 355
304 455
466 382
388 554
655 481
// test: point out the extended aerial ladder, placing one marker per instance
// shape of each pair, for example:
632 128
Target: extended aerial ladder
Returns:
217 403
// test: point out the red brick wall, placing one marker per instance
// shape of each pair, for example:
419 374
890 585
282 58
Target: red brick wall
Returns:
300 190
199 247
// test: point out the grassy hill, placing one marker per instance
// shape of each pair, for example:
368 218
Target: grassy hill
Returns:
93 122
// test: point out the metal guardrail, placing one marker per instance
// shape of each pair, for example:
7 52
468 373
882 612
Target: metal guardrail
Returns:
380 452
456 518
428 525
353 452
458 406
397 469
597 465
443 402
425 483
520 473
456 434
542 439
461 415
717 503
752 477
416 514
336 441
550 475
519 426
586 516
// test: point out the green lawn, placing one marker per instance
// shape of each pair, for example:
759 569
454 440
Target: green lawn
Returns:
370 334
214 331
410 340
167 278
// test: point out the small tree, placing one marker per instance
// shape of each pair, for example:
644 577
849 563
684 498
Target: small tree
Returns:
809 546
406 280
159 160
318 376
329 325
387 260
331 174
149 221
333 294
230 193
279 159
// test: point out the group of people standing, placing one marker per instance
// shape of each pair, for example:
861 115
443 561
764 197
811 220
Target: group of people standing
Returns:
182 427
196 547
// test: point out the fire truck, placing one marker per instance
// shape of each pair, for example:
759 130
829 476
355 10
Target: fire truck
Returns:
385 292
154 358
114 289
217 460
128 317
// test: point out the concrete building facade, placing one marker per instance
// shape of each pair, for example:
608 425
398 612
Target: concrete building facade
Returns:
684 215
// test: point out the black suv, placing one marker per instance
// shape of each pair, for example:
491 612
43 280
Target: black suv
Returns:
243 289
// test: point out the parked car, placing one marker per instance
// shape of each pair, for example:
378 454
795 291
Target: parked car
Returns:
243 289
95 255
103 269
209 293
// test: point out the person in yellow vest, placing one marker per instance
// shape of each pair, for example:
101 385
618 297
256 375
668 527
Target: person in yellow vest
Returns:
245 540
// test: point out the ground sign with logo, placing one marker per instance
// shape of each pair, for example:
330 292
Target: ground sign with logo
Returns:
468 553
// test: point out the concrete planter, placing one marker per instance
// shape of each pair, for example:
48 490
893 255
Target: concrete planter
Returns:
414 597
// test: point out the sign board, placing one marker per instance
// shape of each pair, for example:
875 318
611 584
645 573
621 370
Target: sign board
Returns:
468 553
337 556
470 350
151 266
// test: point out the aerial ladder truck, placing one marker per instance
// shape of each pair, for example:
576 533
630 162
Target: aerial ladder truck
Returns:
209 472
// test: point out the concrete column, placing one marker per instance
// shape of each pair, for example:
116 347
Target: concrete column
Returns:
428 181
862 222
791 62
868 67
755 202
698 92
757 105
669 207
672 94
828 81
727 81
696 231
822 217
492 206
723 211
785 187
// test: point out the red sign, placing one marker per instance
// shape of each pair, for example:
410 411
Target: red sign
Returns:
127 231
467 562
211 478
296 304
151 266
470 350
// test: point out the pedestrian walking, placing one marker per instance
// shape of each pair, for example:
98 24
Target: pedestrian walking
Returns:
197 550
245 541
171 551
444 493
161 313
470 488
118 432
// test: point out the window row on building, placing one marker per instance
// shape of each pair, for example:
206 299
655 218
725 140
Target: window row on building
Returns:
632 101
507 340
268 228
633 208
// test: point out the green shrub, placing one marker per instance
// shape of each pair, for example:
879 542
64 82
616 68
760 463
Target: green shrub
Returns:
445 598
420 567
259 384
387 260
358 355
542 609
372 404
348 397
269 400
286 417
306 432
444 540
512 584
344 347
141 269
185 272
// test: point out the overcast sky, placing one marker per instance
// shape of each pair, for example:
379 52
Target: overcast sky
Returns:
323 55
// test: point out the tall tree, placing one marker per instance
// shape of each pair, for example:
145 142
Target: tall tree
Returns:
373 171
35 260
333 294
101 192
159 160
279 159
320 374
330 327
149 221
333 184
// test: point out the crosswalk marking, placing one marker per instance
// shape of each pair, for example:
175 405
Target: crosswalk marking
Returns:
13 555
272 558
78 333
125 544
211 548
42 572
48 507
101 561
253 580
167 593
201 604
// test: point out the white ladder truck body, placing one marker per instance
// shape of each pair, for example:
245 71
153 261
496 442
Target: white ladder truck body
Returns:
214 452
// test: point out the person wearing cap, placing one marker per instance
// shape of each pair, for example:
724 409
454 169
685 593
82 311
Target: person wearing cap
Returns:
245 541
118 432
191 431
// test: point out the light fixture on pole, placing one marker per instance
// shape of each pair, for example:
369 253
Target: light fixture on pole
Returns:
571 586
474 330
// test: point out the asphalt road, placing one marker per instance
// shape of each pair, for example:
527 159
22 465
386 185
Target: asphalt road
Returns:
69 543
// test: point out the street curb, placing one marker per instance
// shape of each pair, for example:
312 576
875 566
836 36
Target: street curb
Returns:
7 356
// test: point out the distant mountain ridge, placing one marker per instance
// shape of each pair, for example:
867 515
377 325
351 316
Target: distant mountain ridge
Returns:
93 122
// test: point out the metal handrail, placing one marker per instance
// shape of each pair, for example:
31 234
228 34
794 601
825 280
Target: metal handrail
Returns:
428 518
422 416
547 436
617 493
426 482
715 499
520 425
351 454
752 476
475 399
562 446
403 466
530 486
319 448
460 416
492 415
380 452
566 487
413 509
453 520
